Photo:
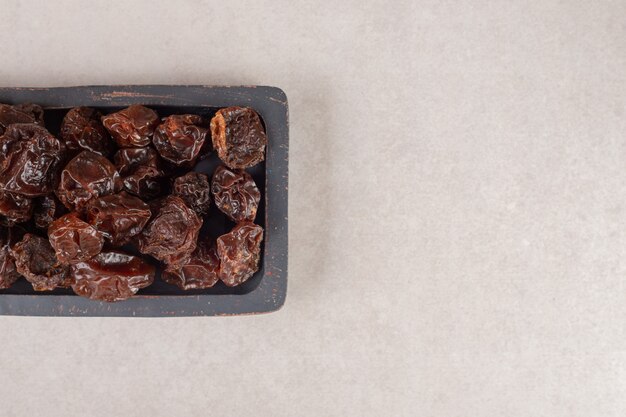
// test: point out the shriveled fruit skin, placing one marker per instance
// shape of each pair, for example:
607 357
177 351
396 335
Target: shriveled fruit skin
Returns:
74 240
111 276
119 217
8 271
180 138
30 160
35 111
235 194
85 178
239 252
82 129
197 271
36 261
15 208
173 231
195 190
46 209
132 126
20 113
238 137
140 170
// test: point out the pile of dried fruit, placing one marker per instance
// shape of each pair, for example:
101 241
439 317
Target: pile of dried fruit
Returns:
69 204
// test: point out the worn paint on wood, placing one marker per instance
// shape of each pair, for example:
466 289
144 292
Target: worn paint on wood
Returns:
270 286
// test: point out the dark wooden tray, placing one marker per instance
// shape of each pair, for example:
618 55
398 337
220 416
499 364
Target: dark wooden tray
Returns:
266 290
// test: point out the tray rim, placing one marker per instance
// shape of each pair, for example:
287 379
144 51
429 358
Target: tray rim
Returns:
270 294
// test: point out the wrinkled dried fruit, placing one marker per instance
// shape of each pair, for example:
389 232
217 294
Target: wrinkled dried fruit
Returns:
30 159
199 270
36 261
82 130
20 113
194 189
15 207
128 201
238 136
140 170
33 110
119 217
173 231
74 240
8 272
132 126
87 177
111 276
235 194
46 209
239 252
179 138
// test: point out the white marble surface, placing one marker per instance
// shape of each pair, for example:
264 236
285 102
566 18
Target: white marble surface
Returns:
457 211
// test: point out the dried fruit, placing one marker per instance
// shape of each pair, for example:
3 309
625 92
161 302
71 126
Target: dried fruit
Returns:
194 189
114 204
30 158
82 130
46 209
119 217
238 136
239 252
235 194
74 240
199 270
173 231
132 127
8 272
179 138
87 177
140 170
36 261
20 113
111 276
35 111
15 207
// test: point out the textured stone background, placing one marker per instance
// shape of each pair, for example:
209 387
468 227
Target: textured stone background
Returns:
457 211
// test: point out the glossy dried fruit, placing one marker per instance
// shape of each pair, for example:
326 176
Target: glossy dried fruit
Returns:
87 177
30 159
33 165
239 252
8 272
119 217
179 138
81 129
15 208
238 137
140 170
235 194
195 190
132 127
74 240
46 209
111 276
173 231
36 261
199 270
20 113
